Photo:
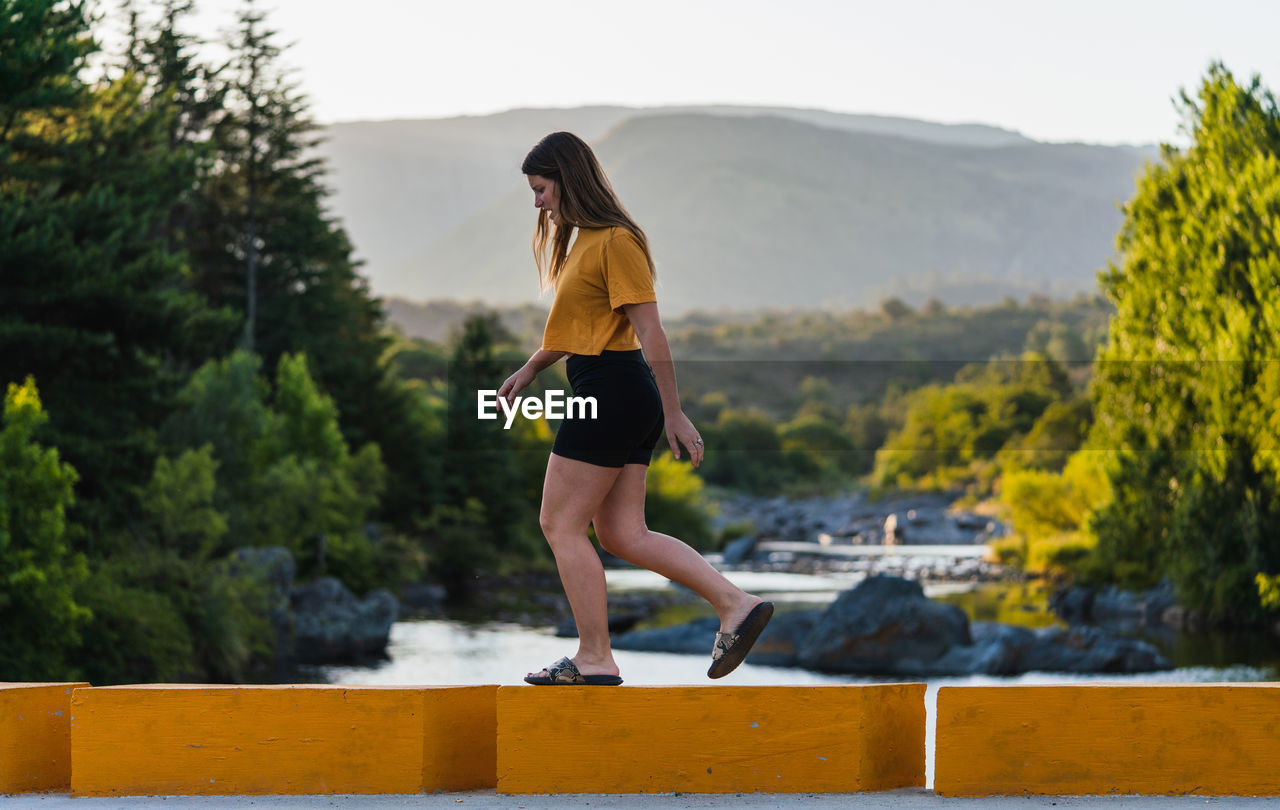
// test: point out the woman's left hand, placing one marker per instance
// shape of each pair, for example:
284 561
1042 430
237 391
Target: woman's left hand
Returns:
680 431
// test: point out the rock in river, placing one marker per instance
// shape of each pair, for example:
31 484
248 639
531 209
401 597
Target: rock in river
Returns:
331 624
776 647
884 625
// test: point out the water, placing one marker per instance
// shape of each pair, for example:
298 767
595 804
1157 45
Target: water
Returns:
440 653
779 586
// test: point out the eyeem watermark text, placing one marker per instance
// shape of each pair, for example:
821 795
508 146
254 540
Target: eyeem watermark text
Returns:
555 406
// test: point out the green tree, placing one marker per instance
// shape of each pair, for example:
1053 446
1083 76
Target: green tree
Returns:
91 303
159 616
39 616
44 45
486 518
284 473
314 493
951 432
182 87
744 451
828 448
1187 388
895 309
179 501
1057 434
263 245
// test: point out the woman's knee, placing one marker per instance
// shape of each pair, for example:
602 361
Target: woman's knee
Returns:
617 538
551 523
558 528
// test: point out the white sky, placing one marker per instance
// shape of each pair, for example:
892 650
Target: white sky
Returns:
1101 71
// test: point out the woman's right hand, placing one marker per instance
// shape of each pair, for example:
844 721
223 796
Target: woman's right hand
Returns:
516 383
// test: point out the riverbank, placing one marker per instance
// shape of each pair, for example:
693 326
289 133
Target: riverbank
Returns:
803 554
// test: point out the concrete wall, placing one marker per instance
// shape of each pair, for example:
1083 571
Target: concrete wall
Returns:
35 736
1210 739
711 739
213 740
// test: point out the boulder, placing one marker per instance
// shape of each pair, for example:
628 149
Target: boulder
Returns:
737 551
1157 600
1073 604
884 625
618 623
887 626
779 644
273 567
996 650
695 637
422 597
1089 649
1115 608
331 625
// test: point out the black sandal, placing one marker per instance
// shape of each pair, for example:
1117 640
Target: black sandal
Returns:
731 649
565 673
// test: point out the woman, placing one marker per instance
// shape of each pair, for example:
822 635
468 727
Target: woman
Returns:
604 318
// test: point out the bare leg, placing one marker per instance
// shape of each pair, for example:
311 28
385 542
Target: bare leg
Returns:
571 494
622 531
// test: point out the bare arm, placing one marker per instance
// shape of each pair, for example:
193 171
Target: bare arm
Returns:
653 339
540 360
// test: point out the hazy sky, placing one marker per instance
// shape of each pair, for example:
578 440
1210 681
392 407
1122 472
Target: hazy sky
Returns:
1092 70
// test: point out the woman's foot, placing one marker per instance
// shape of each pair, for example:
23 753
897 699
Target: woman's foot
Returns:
737 612
731 646
587 665
565 673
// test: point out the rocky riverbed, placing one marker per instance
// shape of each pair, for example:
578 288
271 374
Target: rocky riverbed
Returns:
888 552
854 519
918 537
886 626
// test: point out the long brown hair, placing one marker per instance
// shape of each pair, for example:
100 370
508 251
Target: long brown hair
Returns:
587 200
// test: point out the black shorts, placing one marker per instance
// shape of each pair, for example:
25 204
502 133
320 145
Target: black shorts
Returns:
629 417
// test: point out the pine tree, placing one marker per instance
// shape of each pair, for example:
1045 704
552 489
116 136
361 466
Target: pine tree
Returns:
263 244
176 80
485 517
91 304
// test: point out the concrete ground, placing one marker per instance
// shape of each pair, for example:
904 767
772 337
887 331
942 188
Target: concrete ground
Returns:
891 800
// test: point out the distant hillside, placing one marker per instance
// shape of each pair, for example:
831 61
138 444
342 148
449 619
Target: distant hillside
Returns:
400 185
761 359
745 207
437 321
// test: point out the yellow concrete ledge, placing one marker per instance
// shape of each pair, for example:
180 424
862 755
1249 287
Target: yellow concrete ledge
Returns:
1209 739
35 736
217 740
710 739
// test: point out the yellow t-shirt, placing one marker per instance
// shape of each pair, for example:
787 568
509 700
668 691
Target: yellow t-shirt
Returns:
604 270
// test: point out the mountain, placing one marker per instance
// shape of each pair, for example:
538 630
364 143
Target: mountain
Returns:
744 207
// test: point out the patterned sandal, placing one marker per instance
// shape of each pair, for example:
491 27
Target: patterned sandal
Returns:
731 649
565 673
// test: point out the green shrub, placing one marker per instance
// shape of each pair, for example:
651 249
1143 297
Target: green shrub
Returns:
40 617
1059 553
674 502
160 617
1010 551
